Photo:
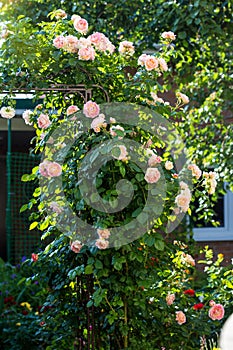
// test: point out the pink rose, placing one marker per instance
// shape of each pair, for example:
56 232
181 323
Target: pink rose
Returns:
26 116
101 243
168 165
103 233
91 109
80 24
151 63
76 246
216 312
98 122
212 303
183 185
86 54
60 14
142 59
43 168
71 44
196 172
123 153
168 35
126 48
152 175
116 127
162 64
72 109
84 42
100 41
43 121
74 17
56 207
189 259
170 299
59 42
183 199
7 112
154 160
182 98
54 169
180 317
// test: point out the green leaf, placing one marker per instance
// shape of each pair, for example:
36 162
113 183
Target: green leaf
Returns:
88 270
33 225
122 170
98 265
23 208
159 244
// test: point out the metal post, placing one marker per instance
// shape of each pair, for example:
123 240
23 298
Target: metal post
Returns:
8 206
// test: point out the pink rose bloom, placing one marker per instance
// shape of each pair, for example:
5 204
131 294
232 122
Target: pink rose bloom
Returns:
111 48
183 199
113 132
86 54
126 48
168 35
189 259
98 122
216 312
26 116
39 106
112 120
196 172
43 121
54 169
83 42
162 64
60 14
81 25
170 298
151 63
74 17
168 165
154 160
180 317
152 175
123 153
101 243
212 187
59 42
183 185
141 59
71 44
72 109
156 98
101 42
103 233
212 303
76 246
7 112
43 168
182 98
91 109
56 207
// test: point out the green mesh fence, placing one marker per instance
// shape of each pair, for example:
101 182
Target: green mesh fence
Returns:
22 241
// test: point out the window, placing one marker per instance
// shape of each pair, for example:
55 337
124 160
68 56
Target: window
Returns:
225 231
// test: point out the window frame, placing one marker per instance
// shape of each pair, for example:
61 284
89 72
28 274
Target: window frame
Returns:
224 233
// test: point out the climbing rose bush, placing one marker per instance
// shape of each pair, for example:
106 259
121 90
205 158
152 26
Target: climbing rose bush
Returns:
130 287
